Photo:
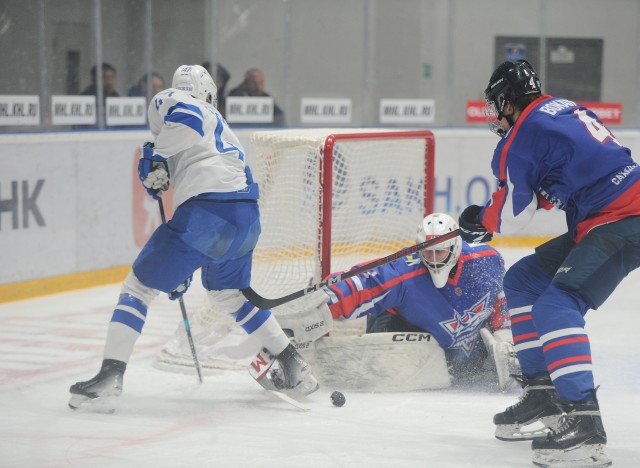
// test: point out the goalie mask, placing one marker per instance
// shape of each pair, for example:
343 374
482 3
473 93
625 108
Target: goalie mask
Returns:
509 82
195 80
439 258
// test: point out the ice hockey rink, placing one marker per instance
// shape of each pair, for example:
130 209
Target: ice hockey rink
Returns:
170 420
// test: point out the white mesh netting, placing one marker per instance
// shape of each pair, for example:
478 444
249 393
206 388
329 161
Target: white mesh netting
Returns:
378 190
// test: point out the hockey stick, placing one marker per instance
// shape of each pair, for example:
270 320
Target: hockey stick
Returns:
264 303
183 309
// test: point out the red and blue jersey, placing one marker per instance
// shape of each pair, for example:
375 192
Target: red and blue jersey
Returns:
558 154
454 314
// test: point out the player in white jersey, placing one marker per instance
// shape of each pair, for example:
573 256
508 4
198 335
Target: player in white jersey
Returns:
215 227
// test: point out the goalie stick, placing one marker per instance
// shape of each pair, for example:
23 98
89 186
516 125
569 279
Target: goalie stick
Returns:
183 309
264 303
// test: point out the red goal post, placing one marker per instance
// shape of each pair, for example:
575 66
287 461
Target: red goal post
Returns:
329 146
330 199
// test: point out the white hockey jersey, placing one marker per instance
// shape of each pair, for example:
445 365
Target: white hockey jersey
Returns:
203 153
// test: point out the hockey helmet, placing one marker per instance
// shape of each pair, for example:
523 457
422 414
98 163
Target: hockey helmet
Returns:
442 257
509 81
195 80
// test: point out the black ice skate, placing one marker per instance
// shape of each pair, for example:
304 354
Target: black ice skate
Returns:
287 372
533 415
293 373
99 393
579 440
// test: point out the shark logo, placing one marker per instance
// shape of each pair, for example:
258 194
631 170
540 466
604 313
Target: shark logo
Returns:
464 327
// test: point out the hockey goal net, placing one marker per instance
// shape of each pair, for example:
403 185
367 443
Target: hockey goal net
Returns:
329 199
332 199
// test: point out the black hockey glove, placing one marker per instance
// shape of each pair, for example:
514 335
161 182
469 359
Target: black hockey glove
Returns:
471 230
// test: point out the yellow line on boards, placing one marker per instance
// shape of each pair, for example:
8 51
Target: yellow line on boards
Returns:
56 284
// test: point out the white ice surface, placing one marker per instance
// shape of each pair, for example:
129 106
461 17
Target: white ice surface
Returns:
170 420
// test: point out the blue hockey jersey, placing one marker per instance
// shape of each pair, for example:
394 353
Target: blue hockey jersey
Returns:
558 154
453 314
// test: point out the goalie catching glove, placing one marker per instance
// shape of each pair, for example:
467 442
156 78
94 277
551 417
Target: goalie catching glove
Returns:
153 171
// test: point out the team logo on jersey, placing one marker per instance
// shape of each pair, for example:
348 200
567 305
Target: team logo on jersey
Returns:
412 259
465 326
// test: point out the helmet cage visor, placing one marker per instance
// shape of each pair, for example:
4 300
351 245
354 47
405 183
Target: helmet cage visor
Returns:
436 260
493 115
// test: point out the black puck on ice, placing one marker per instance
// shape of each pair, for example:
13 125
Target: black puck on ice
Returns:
338 399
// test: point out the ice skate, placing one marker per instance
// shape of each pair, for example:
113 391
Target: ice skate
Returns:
99 393
293 373
287 372
533 416
578 441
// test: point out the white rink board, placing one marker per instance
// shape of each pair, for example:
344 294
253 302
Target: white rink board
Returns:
86 198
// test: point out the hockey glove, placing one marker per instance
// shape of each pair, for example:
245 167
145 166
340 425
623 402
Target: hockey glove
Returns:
471 230
153 171
180 290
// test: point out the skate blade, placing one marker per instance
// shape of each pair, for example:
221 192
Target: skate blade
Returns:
587 456
84 404
293 395
269 386
517 432
292 401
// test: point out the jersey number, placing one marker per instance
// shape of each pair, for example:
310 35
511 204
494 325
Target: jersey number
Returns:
595 128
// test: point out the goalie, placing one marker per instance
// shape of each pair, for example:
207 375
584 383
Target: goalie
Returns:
436 315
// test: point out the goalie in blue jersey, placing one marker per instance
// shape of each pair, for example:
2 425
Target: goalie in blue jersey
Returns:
215 227
450 294
555 152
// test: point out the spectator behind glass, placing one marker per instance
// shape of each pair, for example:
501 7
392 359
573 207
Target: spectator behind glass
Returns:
253 85
108 87
140 88
108 82
221 79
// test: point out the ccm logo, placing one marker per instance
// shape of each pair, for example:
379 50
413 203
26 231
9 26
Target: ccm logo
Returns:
314 326
411 337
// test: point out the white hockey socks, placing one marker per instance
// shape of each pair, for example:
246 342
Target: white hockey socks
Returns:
129 316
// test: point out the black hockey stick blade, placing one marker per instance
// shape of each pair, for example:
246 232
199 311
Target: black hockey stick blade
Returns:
264 303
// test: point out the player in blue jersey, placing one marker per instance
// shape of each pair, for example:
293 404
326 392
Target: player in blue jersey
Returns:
452 290
556 153
215 227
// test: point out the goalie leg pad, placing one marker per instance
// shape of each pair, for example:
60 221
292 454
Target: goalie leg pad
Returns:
500 347
378 362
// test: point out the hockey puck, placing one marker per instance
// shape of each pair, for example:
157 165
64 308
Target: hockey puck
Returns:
338 399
